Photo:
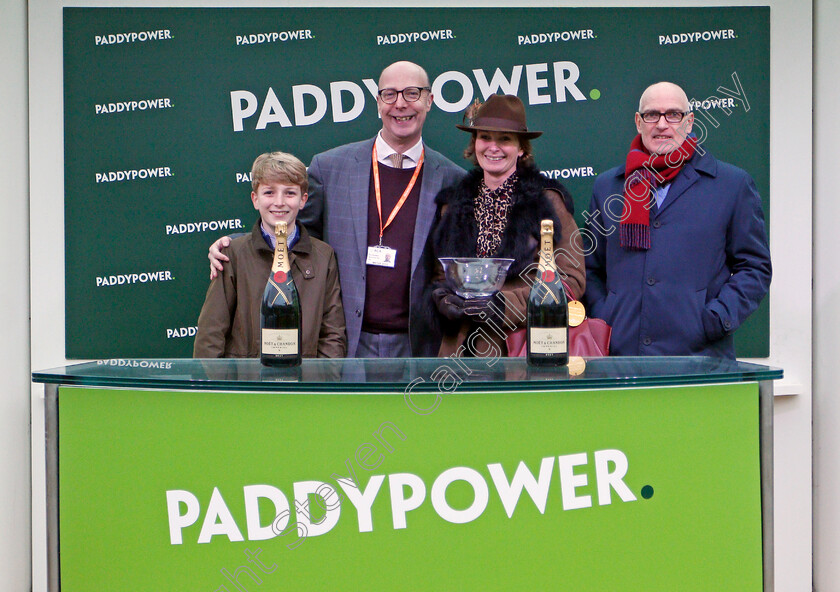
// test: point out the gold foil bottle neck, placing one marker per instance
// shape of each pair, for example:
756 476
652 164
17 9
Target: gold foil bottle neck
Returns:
546 260
547 226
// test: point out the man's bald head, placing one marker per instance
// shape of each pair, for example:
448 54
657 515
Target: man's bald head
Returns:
661 136
668 89
409 69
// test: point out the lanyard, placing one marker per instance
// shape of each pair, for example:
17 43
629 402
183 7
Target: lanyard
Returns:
405 194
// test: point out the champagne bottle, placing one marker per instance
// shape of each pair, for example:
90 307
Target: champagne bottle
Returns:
548 312
280 310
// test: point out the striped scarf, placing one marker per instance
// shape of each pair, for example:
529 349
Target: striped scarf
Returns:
642 172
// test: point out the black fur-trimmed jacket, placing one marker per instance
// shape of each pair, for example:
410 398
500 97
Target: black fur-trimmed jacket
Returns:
455 234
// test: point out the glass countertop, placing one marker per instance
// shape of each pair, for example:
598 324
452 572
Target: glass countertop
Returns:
397 374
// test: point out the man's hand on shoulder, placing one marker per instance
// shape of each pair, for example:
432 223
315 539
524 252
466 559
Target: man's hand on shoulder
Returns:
217 257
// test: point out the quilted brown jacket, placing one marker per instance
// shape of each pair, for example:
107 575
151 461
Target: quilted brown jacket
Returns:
229 323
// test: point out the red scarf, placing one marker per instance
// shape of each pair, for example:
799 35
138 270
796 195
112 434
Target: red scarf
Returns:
642 172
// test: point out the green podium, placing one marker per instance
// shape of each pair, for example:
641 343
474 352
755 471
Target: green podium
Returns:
634 474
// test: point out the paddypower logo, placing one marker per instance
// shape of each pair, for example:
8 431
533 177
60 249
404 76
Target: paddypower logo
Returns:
415 37
135 105
122 363
401 493
697 36
179 332
204 226
713 103
133 37
569 173
144 277
273 37
555 37
133 174
345 100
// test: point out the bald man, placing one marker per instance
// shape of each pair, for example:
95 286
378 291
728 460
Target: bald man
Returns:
680 256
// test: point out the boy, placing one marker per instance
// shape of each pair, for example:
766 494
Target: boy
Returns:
229 323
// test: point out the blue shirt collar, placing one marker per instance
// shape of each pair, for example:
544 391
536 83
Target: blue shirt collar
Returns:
291 240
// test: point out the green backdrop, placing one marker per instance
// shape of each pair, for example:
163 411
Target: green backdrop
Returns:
153 99
689 520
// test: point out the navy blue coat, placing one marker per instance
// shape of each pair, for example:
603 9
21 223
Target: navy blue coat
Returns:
707 269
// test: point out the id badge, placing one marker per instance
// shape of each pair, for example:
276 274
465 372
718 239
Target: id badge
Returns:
381 256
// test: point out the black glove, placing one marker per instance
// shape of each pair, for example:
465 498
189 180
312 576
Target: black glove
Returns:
479 310
449 304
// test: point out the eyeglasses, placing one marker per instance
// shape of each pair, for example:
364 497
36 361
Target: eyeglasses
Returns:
410 93
670 116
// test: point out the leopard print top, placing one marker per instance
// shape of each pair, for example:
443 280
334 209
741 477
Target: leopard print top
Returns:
491 215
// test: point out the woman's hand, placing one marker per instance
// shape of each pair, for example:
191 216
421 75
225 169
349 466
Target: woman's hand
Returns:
216 256
455 308
449 304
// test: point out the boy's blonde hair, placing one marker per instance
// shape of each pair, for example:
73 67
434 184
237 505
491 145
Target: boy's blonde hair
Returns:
279 167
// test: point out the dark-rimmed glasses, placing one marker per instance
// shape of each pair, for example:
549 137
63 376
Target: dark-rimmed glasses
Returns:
670 116
411 94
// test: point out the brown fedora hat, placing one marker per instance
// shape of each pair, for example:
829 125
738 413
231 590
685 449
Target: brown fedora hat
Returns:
499 113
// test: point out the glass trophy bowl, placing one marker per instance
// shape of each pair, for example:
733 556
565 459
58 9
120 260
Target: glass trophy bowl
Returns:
474 277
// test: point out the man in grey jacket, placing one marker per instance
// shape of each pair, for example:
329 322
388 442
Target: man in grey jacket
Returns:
373 203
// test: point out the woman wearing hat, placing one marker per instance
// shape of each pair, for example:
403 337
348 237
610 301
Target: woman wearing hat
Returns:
496 212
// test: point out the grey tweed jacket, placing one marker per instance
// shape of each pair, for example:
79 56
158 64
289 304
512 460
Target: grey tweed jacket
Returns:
336 211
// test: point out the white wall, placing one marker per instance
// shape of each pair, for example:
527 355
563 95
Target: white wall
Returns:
790 309
14 302
826 299
790 228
